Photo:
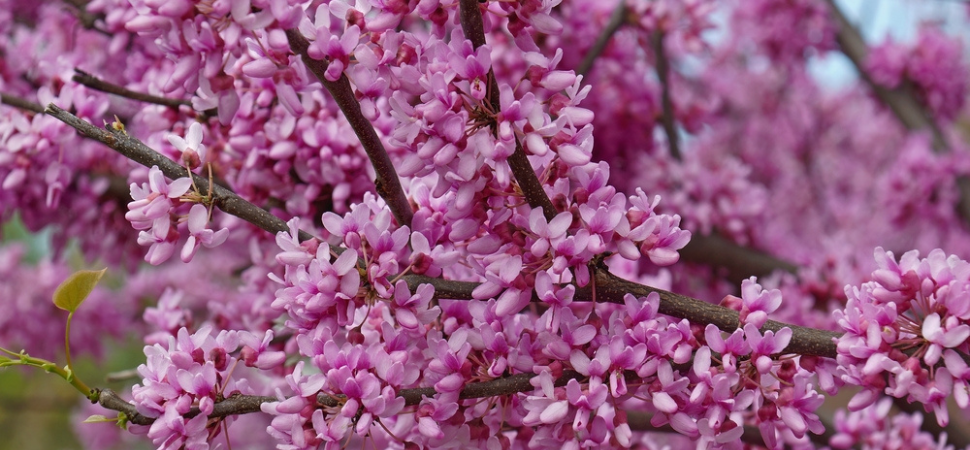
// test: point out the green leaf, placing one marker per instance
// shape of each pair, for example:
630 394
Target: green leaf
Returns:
98 418
72 292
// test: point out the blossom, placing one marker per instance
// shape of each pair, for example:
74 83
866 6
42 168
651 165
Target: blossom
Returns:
199 234
193 152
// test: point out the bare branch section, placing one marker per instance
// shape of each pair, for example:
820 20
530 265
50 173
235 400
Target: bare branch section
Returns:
387 182
245 404
20 103
663 74
805 341
95 83
616 21
901 101
135 150
470 15
612 289
741 262
87 19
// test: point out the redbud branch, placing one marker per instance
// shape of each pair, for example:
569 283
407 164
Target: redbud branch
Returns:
805 341
640 421
87 19
616 21
741 262
470 14
245 404
135 150
104 86
663 74
388 184
20 103
612 289
900 100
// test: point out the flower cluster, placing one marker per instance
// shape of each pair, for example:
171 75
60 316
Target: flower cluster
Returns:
906 332
933 65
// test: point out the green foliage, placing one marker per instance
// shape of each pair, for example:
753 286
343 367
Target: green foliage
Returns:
76 288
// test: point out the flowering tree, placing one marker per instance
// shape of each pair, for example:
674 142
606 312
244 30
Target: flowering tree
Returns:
385 223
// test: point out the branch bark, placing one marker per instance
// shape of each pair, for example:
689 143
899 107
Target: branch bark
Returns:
663 74
471 23
388 184
95 83
901 101
135 150
616 21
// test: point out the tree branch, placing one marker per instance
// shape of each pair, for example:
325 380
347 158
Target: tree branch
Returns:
901 100
387 182
471 24
663 74
616 21
20 103
135 150
741 262
612 289
805 341
95 83
245 404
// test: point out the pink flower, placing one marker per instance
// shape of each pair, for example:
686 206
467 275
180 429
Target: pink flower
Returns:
199 234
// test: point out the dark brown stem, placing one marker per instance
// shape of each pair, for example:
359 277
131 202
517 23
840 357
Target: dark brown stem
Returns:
103 86
388 184
245 404
471 23
20 103
612 289
901 100
616 21
640 421
135 150
805 341
663 74
87 19
741 262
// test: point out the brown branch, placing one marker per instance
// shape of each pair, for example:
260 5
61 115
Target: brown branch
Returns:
901 100
663 74
135 150
640 421
471 23
388 184
245 404
741 262
20 103
87 19
97 84
616 21
806 341
612 289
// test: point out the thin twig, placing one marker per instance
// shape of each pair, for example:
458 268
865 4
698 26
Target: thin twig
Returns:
20 103
805 341
87 19
245 404
388 184
616 21
612 289
663 74
741 262
135 150
471 23
901 100
95 83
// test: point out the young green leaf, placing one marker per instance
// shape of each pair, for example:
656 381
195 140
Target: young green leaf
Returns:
98 418
72 292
